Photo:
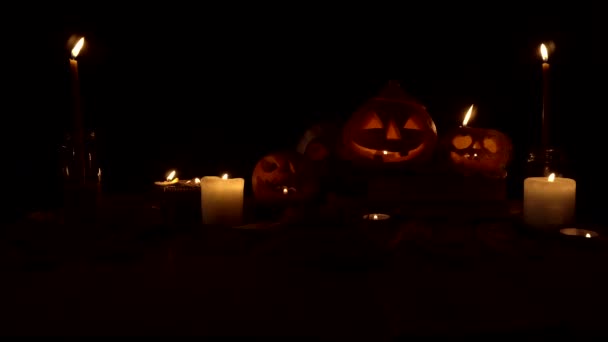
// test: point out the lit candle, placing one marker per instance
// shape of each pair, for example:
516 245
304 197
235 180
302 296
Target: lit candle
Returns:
79 169
171 179
222 200
376 217
588 234
194 183
549 202
545 117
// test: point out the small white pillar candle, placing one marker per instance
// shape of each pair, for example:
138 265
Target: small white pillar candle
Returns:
549 201
222 200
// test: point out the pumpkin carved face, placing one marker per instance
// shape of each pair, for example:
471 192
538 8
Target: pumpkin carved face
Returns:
390 129
479 151
284 176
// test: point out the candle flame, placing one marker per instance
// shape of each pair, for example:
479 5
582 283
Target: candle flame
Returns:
285 190
77 47
551 177
385 152
375 217
197 180
225 176
587 235
467 116
544 53
171 175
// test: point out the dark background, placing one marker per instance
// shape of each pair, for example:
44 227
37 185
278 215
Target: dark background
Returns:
206 91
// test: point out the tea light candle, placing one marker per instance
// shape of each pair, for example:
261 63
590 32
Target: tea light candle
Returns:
222 200
376 217
549 201
579 232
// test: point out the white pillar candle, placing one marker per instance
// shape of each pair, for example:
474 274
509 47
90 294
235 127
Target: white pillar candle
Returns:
549 201
222 200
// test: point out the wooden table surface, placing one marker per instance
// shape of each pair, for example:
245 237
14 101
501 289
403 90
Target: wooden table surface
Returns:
130 274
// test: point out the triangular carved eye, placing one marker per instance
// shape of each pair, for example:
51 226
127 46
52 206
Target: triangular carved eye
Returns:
372 121
411 124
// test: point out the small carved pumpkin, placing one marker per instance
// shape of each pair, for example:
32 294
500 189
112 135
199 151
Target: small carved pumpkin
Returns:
391 128
478 151
283 177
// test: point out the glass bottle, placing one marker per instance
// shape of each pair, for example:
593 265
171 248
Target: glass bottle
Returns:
67 158
92 167
543 162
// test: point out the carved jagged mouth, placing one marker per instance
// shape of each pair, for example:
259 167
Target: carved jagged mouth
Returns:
467 156
380 156
276 187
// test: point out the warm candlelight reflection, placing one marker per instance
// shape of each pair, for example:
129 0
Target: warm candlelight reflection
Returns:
77 47
225 176
588 235
467 117
544 53
551 177
285 190
197 180
385 152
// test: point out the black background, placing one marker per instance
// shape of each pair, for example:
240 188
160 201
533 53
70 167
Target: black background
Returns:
209 90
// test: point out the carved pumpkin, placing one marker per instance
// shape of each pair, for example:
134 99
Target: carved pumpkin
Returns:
391 128
480 151
283 177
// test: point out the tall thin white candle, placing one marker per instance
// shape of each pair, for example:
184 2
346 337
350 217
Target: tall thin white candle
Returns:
79 171
222 200
549 201
545 117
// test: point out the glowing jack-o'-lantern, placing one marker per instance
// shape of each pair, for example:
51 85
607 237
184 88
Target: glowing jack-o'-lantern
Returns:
480 151
391 128
283 177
